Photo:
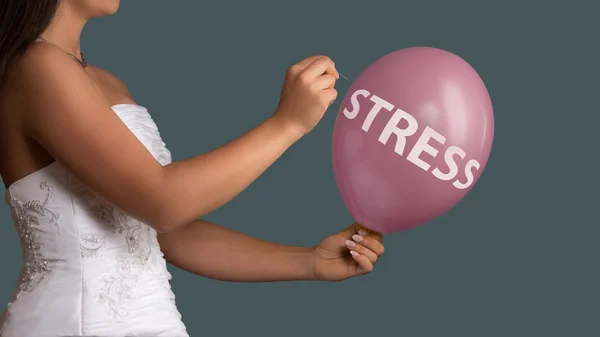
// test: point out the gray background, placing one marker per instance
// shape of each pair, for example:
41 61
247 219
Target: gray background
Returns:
518 257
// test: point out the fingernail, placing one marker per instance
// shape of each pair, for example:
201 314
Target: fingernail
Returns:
353 253
337 75
350 244
362 232
357 238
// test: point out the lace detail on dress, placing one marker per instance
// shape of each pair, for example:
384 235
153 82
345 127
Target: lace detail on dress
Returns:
104 274
120 224
143 255
119 288
27 216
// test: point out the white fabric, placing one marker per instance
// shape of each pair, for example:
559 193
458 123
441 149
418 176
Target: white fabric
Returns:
89 269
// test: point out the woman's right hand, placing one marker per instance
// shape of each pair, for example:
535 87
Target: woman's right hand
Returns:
307 92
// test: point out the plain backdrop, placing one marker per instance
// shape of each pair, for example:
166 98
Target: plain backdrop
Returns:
518 257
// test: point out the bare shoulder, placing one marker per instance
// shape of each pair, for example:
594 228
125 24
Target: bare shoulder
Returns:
39 61
109 79
47 70
46 83
44 71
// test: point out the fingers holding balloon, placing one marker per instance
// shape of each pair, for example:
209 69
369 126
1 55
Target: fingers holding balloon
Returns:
362 250
364 264
370 243
369 247
375 235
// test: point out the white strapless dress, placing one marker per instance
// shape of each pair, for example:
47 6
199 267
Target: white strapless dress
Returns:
89 269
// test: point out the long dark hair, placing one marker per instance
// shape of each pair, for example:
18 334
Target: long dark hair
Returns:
21 22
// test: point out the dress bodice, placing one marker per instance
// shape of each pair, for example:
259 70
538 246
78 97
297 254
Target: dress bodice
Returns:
89 269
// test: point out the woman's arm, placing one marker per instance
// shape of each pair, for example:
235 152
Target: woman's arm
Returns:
220 253
65 113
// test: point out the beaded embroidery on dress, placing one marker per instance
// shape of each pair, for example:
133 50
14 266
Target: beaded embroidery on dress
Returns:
26 215
89 269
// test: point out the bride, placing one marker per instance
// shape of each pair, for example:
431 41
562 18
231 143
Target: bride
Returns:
98 204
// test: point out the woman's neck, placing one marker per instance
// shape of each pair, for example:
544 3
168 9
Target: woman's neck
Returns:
65 30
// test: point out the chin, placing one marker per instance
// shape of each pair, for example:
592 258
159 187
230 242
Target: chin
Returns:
96 8
110 7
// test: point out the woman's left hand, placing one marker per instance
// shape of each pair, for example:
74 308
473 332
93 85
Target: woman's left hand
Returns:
349 253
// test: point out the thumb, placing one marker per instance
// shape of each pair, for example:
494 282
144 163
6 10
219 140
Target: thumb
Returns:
357 228
353 229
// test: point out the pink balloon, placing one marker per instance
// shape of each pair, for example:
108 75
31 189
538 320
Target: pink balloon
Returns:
412 136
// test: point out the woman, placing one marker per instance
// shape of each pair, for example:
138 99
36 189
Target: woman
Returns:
101 208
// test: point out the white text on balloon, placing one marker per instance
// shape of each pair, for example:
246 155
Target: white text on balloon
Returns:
422 144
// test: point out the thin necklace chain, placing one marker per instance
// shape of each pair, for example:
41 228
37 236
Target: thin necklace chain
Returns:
82 61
